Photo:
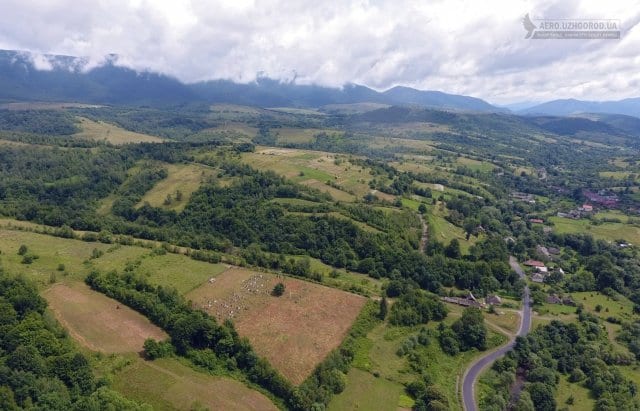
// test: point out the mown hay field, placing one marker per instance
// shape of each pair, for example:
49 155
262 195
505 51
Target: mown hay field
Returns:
294 331
99 322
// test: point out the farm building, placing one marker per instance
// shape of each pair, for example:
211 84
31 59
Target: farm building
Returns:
533 263
468 301
537 278
493 300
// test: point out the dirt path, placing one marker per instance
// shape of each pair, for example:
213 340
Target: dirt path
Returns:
425 233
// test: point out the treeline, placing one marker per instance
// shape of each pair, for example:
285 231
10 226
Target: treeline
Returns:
329 377
579 351
40 368
45 122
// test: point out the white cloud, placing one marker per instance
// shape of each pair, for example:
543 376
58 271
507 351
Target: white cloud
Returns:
475 48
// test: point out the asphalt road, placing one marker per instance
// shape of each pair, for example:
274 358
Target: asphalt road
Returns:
473 372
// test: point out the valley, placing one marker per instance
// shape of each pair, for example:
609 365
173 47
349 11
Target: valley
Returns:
389 237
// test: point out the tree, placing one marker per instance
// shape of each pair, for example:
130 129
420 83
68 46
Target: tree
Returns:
471 330
422 208
453 249
23 250
382 314
278 290
524 402
542 396
7 400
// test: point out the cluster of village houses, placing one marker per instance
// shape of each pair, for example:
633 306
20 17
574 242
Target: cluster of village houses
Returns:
539 274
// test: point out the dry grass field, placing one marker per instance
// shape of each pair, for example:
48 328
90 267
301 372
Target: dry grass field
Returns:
294 331
185 178
99 130
98 322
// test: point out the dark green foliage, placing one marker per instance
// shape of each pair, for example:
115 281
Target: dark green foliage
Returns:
471 330
542 396
416 307
630 335
580 351
384 308
48 122
157 349
278 290
39 366
453 249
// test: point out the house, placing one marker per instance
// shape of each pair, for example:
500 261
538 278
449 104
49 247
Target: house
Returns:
601 198
543 270
542 173
587 208
528 198
536 221
554 299
542 252
533 263
553 250
493 300
465 302
537 278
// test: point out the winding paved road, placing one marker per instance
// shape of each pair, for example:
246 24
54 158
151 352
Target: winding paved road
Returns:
473 372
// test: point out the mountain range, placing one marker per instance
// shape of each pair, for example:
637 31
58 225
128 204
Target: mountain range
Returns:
28 77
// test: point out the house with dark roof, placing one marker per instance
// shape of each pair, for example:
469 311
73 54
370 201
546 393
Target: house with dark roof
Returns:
538 278
554 299
493 300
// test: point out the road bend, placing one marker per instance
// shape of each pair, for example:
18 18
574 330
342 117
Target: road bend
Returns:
470 377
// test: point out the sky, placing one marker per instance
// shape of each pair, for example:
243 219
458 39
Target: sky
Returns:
475 48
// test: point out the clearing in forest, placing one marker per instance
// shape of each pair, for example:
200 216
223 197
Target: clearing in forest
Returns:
98 322
348 181
174 192
294 331
100 131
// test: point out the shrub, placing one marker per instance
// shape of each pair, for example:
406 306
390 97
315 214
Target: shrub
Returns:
278 290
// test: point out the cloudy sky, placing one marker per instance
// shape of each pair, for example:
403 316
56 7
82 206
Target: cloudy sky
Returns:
468 47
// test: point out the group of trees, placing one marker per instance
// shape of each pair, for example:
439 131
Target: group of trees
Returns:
467 332
416 307
579 351
40 367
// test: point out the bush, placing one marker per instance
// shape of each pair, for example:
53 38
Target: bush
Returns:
157 349
29 258
278 290
22 250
